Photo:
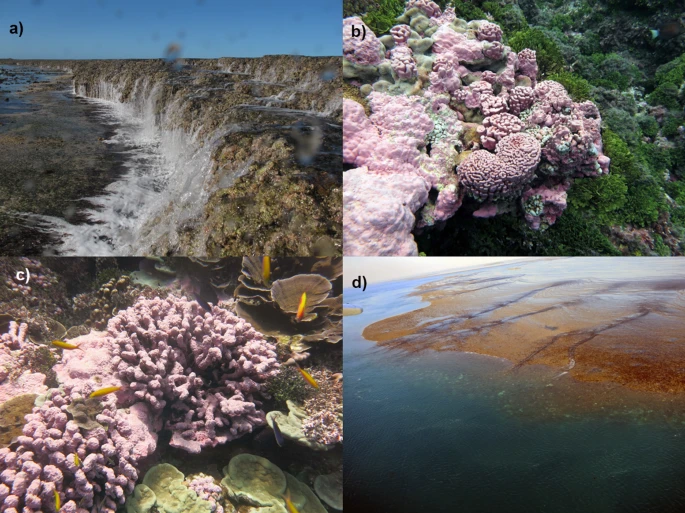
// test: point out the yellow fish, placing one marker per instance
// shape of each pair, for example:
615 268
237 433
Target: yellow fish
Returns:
65 345
301 308
289 503
77 460
104 391
266 269
57 501
308 377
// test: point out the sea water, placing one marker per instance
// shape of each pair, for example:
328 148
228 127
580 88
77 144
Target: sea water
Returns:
451 431
163 186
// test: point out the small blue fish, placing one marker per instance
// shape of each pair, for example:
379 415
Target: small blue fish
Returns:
277 433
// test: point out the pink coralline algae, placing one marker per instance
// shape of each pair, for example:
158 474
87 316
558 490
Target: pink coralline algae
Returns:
390 142
389 139
93 363
379 209
208 490
489 32
495 128
42 461
543 205
458 74
367 51
208 366
15 376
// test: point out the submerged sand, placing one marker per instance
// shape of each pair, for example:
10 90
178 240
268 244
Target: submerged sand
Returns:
623 331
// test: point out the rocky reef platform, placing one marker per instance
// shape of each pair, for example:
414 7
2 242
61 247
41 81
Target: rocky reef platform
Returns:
269 131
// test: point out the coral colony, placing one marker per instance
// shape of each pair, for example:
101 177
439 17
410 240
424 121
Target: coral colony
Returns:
209 366
165 350
453 112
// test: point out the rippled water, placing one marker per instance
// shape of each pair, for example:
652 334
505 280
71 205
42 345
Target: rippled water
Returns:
451 430
14 79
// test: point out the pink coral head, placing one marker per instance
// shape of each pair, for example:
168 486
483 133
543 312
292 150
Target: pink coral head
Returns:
489 77
493 105
553 94
489 32
400 33
431 9
527 63
403 63
484 175
366 52
494 50
497 127
521 151
442 63
520 99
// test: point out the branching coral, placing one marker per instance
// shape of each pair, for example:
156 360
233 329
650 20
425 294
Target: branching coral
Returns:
208 366
38 303
43 463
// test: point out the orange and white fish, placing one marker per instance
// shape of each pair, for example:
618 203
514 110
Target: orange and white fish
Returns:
289 503
308 377
104 391
65 345
302 307
266 269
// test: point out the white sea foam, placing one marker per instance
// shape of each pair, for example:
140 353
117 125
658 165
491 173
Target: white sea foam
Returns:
164 186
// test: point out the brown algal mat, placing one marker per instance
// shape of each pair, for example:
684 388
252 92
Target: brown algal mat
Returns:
626 332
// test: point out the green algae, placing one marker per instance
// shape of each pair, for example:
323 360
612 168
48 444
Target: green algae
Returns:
578 88
288 385
549 57
382 18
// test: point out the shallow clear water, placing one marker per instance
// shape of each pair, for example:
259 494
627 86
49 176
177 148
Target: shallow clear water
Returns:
14 79
453 431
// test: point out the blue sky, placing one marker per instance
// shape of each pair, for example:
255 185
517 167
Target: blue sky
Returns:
117 29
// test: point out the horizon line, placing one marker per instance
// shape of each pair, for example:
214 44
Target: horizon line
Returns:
162 58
